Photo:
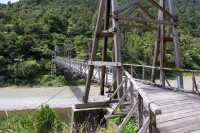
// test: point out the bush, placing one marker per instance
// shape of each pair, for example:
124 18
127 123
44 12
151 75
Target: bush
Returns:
44 121
47 121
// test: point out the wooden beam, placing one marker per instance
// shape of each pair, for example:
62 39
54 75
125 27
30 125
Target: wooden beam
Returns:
94 50
177 52
103 34
117 47
145 11
137 27
143 20
105 45
145 125
127 118
163 10
101 63
126 6
91 105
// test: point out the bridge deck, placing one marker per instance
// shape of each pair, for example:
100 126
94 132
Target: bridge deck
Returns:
180 111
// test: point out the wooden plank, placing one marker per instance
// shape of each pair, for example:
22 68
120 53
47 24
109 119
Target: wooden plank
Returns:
179 116
177 112
161 102
102 63
143 20
178 108
178 124
91 105
179 103
176 101
195 128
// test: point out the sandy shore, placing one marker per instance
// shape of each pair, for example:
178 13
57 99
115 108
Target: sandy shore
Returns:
30 98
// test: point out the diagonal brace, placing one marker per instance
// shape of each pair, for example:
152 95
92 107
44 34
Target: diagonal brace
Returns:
163 10
126 6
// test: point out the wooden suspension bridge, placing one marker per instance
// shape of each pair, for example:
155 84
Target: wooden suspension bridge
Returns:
158 107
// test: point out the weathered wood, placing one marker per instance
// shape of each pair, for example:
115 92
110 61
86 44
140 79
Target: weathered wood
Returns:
137 27
102 34
176 48
101 63
126 6
140 111
118 88
163 10
105 43
94 50
178 116
127 118
145 125
91 105
152 125
145 11
138 19
121 100
178 124
113 116
117 46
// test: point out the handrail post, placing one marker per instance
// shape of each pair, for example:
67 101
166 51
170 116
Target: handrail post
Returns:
106 76
194 84
152 125
143 72
125 84
140 111
131 70
132 96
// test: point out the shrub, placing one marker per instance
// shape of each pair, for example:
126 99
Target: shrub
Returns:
46 120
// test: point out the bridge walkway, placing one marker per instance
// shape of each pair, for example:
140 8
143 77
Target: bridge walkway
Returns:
180 110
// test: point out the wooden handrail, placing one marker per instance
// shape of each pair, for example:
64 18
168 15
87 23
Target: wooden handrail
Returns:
154 108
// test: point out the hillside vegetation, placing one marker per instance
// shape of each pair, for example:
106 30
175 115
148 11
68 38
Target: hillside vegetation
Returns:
28 29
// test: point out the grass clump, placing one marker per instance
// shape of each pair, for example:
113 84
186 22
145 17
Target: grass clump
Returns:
44 121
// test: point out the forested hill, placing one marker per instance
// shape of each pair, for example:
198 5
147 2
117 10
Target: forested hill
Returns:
29 27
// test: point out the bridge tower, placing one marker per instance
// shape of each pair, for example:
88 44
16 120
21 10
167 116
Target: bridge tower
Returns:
105 30
111 18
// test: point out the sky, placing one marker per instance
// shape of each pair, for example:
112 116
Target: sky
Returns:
5 1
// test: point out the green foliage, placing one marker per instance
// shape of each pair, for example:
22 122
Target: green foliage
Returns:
44 121
47 121
130 127
17 124
29 27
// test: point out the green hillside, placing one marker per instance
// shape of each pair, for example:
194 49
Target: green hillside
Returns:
29 27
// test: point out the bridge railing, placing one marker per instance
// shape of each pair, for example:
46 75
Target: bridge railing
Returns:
140 104
191 78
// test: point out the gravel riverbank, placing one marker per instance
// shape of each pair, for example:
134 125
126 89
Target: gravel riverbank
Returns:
30 98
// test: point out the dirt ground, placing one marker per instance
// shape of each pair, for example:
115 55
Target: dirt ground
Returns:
30 98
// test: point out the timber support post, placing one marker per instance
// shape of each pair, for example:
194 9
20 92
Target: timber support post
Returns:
108 30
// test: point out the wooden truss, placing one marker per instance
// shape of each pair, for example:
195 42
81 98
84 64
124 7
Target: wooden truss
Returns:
111 18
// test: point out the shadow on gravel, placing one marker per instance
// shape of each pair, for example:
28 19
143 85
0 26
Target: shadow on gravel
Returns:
77 91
